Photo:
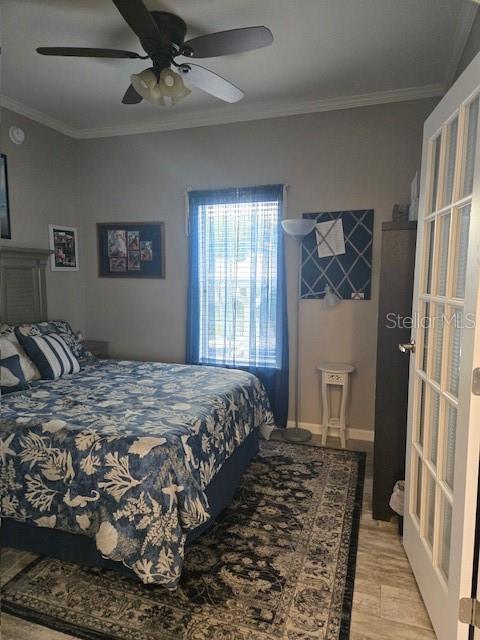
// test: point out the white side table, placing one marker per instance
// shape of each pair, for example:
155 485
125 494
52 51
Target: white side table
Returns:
337 375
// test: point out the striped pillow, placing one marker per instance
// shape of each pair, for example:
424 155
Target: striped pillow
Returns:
51 354
61 327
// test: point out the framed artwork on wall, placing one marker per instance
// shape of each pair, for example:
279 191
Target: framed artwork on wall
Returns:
6 231
131 249
64 244
338 255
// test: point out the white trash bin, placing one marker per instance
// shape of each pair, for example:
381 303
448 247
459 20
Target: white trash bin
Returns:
398 497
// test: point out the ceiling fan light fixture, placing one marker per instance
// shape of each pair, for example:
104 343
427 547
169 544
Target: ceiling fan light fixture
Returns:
183 94
168 90
143 82
161 34
155 96
171 84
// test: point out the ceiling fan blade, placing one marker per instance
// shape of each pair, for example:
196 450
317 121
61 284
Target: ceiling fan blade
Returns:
131 96
225 43
86 52
210 82
140 21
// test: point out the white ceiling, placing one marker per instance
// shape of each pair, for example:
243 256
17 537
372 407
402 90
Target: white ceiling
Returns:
326 54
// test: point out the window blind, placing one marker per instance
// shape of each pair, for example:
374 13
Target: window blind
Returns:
237 270
237 312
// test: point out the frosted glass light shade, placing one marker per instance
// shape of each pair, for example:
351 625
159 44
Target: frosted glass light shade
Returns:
298 227
182 93
169 85
143 82
155 96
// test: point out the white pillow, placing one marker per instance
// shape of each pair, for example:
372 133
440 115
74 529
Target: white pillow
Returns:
9 346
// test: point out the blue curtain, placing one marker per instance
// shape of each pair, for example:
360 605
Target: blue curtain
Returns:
237 311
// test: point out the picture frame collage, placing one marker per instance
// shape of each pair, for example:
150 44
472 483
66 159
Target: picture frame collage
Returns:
131 250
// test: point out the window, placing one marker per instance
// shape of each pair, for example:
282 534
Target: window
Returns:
237 313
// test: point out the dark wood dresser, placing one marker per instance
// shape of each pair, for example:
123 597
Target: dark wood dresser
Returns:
391 396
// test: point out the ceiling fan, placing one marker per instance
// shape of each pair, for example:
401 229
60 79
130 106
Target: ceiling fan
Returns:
162 35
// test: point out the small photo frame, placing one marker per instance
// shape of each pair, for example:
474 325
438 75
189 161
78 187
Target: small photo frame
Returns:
64 244
117 243
6 231
133 239
134 261
118 265
146 251
131 249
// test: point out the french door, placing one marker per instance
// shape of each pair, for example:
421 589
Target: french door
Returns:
444 409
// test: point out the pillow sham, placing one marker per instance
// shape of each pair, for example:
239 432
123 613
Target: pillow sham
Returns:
60 327
11 374
9 346
51 354
6 330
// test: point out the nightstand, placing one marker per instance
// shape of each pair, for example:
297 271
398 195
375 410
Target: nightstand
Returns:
99 348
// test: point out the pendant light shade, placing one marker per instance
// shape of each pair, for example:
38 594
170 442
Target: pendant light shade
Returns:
169 85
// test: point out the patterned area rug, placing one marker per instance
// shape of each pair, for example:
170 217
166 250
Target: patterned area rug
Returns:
280 563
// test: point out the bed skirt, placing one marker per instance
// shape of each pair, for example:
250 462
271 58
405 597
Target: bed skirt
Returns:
82 549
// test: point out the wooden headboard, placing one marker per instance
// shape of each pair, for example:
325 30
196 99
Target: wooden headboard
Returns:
22 284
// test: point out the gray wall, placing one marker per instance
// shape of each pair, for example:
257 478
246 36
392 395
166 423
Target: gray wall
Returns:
42 189
351 159
338 160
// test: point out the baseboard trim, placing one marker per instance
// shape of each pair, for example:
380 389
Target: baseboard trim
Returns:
352 434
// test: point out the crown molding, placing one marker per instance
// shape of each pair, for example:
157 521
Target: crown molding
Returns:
230 115
263 111
467 17
37 116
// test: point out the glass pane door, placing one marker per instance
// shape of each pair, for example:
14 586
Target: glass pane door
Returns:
438 360
443 445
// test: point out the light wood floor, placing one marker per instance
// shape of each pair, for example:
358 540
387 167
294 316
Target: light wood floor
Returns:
387 604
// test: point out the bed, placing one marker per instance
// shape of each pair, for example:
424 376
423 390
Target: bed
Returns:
124 463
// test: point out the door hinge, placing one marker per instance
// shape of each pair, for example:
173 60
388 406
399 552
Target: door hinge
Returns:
476 382
469 612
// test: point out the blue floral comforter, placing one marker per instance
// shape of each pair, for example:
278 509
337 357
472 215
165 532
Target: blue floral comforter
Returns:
122 452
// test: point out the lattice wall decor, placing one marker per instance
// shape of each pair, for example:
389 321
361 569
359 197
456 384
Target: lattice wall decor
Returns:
348 274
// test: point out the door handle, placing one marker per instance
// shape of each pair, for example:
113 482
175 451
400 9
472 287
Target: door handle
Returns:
407 347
